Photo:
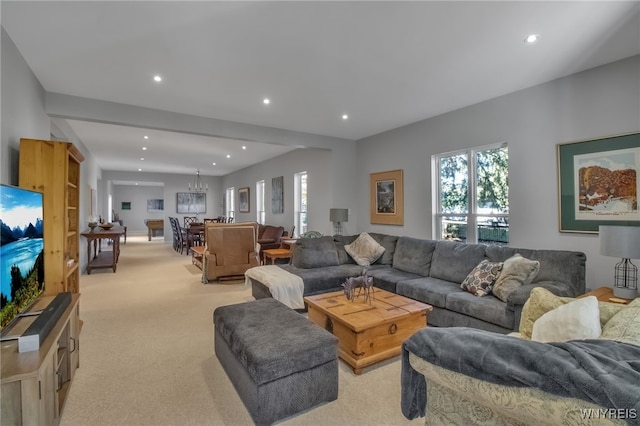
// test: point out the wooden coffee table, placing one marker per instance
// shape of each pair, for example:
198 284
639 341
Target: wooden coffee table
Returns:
368 333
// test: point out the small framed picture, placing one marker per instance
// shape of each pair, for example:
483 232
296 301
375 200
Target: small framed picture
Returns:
387 198
244 205
155 206
126 205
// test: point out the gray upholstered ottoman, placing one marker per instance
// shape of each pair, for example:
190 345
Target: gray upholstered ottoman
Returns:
279 362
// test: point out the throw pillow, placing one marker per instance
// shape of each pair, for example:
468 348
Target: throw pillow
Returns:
364 250
625 325
542 301
480 280
579 319
516 271
539 303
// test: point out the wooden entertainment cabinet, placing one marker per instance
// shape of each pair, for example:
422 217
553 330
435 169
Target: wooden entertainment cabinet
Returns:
35 383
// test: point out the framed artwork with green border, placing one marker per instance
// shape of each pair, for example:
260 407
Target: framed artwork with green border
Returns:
598 182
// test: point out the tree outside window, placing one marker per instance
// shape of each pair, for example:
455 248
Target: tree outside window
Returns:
472 195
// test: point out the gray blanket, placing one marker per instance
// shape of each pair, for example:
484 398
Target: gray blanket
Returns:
603 372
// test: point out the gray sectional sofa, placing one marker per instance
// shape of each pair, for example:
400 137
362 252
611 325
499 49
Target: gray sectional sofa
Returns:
431 272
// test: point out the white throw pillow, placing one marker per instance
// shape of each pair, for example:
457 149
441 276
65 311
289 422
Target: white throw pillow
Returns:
364 250
579 319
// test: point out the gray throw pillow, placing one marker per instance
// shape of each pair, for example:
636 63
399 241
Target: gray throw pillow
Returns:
516 271
314 253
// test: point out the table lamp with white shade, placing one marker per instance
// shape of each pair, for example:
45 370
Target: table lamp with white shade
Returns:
622 242
338 216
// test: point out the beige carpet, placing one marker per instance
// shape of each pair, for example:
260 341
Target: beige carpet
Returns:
147 357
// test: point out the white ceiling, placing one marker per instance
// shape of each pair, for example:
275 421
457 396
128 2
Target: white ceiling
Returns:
385 64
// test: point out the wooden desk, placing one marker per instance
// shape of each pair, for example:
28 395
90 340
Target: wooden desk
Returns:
154 225
106 259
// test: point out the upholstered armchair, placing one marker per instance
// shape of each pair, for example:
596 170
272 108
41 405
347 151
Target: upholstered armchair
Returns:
269 237
230 249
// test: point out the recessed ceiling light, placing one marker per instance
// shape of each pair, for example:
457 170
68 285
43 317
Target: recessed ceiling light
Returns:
213 164
144 148
244 147
157 78
532 38
228 155
141 158
266 101
139 170
345 116
146 137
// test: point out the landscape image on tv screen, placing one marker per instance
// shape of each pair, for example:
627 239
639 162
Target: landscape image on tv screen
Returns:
21 250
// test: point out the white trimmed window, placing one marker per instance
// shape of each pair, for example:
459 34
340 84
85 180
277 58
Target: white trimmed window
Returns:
300 202
260 215
471 195
230 201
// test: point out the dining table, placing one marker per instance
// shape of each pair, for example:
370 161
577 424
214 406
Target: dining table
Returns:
195 234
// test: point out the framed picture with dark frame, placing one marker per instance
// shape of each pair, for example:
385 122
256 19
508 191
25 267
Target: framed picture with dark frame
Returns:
598 183
244 203
387 198
126 205
277 195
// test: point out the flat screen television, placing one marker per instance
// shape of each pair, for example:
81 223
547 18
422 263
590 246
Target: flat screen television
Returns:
21 252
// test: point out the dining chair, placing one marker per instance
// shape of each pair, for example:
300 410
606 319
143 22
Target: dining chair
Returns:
188 220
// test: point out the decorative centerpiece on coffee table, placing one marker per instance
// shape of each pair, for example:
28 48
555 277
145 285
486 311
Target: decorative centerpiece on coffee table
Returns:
362 283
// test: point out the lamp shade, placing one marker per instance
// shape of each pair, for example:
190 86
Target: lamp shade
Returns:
339 215
620 241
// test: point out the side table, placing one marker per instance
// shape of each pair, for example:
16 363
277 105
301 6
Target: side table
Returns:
197 255
274 254
605 294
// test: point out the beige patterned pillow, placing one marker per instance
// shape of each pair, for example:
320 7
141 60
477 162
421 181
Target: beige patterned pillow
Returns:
364 250
539 303
608 310
516 271
480 280
625 325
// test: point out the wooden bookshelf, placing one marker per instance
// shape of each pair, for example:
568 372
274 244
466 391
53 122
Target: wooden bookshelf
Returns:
53 168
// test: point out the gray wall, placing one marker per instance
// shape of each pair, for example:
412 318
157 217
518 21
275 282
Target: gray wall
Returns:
24 116
317 164
600 102
23 113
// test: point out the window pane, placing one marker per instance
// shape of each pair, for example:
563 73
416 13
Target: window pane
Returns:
493 230
454 228
303 223
492 184
454 184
